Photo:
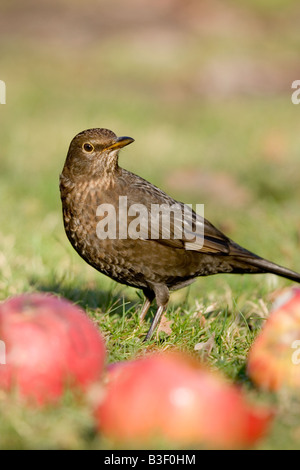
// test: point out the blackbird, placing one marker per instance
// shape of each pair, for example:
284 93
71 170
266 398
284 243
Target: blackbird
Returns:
148 260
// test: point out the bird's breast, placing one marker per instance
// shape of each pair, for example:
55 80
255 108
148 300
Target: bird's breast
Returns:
98 233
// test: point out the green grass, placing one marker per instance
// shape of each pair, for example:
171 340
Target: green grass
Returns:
148 91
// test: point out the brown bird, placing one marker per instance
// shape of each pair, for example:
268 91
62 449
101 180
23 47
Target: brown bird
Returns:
94 187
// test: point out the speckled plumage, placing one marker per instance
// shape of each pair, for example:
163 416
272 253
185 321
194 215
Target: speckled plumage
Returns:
91 178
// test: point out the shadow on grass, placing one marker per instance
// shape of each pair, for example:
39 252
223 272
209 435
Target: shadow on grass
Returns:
115 300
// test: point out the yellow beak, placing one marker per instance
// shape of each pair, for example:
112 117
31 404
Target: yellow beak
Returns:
121 142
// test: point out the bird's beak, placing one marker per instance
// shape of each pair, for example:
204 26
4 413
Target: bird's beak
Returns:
121 142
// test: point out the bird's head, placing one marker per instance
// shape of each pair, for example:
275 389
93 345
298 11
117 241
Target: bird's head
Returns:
94 152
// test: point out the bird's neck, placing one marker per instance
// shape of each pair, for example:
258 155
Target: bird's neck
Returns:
105 177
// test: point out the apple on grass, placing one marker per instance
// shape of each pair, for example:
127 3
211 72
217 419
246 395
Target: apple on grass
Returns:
274 358
50 344
171 397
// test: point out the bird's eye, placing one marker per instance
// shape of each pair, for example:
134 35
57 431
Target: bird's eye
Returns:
88 147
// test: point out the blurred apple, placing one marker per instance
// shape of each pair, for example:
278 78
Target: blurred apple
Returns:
274 358
50 343
170 397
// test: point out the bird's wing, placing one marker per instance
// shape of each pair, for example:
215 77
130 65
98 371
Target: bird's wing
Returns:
153 215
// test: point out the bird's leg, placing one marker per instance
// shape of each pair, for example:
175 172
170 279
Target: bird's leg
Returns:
149 296
144 310
162 299
155 322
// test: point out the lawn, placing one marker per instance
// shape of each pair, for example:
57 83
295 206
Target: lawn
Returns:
211 114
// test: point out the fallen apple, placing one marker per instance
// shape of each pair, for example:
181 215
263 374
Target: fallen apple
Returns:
274 358
167 396
50 343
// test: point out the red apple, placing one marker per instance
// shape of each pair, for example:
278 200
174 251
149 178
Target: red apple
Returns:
274 358
167 396
49 343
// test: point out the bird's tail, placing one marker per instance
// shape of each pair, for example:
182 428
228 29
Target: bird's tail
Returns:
253 263
268 267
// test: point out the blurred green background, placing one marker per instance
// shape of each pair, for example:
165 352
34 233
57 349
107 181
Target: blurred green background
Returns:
204 88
